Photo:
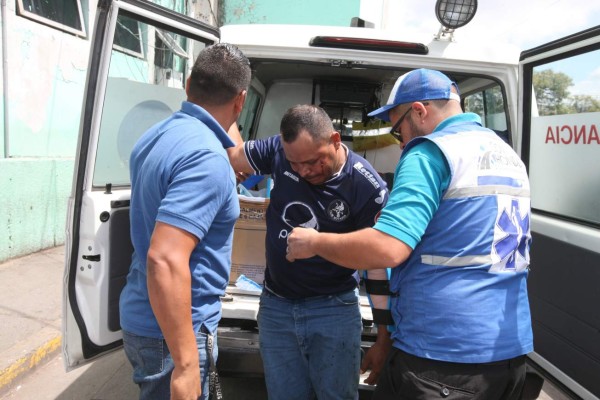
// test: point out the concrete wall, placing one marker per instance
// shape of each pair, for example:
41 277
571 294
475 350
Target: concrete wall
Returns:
43 78
33 203
44 71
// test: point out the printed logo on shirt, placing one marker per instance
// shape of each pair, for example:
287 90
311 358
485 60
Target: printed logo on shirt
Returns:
338 210
300 214
290 175
364 172
379 199
499 156
512 236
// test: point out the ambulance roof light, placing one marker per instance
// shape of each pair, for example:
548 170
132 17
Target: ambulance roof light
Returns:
453 14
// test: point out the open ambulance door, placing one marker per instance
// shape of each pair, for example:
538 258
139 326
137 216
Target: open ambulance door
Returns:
561 148
140 58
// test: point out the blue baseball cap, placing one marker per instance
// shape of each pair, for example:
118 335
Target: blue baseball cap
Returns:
418 85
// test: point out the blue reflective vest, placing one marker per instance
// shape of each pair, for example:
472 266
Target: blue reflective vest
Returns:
462 294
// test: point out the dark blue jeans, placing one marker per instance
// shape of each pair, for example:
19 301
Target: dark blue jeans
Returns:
153 365
310 347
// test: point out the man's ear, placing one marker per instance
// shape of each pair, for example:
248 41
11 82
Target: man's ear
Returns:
187 87
239 101
335 138
420 109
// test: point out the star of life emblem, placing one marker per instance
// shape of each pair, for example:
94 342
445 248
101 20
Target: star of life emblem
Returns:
512 237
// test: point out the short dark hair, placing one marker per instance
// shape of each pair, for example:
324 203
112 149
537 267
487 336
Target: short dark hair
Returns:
307 117
220 73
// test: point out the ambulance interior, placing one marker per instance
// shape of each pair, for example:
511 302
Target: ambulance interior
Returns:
348 94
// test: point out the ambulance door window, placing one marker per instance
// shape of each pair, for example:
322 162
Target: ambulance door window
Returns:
149 66
565 142
247 119
489 105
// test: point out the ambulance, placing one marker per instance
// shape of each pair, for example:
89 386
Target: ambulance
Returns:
141 56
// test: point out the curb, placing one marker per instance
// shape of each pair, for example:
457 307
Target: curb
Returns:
24 365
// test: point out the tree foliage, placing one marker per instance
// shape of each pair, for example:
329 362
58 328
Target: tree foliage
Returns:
551 90
553 96
488 102
583 103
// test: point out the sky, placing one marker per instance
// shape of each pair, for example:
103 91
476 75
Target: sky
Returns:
523 23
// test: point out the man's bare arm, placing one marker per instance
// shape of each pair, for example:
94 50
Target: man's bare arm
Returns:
169 289
236 154
364 249
375 357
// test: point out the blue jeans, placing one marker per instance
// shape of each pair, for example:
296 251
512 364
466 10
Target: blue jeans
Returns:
310 347
152 364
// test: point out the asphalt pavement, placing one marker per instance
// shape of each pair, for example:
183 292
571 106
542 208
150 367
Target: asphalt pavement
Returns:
31 366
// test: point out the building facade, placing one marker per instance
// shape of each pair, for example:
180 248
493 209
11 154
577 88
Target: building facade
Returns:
45 46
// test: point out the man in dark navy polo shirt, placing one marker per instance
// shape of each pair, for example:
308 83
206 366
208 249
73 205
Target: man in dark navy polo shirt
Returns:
309 319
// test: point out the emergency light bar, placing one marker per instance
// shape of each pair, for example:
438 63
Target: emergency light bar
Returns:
390 46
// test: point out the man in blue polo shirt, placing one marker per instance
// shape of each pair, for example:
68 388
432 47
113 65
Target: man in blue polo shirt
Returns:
457 228
309 319
183 208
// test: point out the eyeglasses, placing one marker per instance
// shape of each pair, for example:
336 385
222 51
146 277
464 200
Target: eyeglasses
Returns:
394 131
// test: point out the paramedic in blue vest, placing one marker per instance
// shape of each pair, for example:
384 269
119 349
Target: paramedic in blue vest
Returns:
456 227
309 320
183 209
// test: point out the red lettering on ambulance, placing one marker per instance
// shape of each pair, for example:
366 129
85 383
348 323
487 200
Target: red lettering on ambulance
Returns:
573 134
579 134
550 135
593 135
568 129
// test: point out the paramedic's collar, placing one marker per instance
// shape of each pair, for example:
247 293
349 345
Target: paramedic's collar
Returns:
458 119
200 113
